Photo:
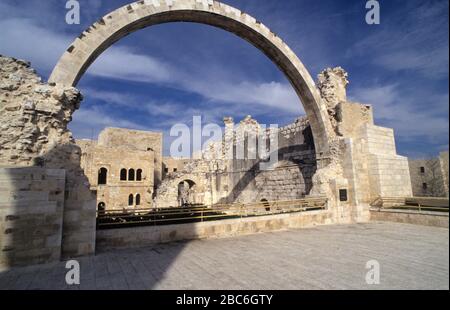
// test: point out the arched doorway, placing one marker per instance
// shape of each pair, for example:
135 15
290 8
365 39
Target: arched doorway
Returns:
186 193
130 18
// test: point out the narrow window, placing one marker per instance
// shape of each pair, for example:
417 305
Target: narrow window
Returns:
139 175
130 200
131 175
138 199
166 170
123 174
343 195
102 176
424 186
422 169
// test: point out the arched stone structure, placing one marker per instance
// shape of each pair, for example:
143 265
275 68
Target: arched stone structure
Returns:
127 19
168 193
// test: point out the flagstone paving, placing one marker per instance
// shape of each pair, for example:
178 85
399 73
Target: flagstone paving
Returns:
325 257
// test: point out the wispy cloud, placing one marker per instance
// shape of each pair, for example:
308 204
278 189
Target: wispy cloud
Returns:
123 63
416 42
88 122
411 117
215 75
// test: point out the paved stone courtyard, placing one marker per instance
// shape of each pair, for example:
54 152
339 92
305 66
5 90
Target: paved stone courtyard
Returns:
326 257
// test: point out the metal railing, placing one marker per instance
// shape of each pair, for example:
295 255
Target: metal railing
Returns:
148 217
437 204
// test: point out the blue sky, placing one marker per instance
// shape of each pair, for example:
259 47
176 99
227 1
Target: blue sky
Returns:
165 74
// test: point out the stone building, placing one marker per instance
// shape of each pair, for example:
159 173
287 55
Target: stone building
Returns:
121 174
429 177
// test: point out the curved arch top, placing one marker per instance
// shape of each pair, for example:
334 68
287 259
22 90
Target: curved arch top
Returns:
127 19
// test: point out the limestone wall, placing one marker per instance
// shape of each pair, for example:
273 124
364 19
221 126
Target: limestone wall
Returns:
196 172
136 140
114 194
444 159
171 165
388 172
151 235
435 219
33 132
429 177
31 215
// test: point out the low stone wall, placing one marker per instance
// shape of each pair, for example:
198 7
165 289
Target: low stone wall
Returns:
31 215
410 217
151 235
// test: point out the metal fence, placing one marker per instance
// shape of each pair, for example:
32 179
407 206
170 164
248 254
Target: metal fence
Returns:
434 204
146 217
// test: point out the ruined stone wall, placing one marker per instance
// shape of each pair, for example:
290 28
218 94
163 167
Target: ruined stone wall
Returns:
34 118
34 115
444 159
196 172
290 178
433 179
115 193
171 165
31 215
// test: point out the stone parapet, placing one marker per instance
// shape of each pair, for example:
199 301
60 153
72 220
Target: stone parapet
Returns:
152 235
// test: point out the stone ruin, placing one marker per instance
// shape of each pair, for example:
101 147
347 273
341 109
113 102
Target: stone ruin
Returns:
34 117
41 166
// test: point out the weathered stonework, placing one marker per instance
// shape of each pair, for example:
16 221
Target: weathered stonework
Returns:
429 177
34 115
335 151
332 83
117 170
34 118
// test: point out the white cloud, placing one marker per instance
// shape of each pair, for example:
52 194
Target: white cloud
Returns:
411 117
22 38
122 63
88 122
272 95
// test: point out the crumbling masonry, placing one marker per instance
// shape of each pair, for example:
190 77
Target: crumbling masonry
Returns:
47 210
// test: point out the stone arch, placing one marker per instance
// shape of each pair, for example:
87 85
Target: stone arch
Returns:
168 192
185 196
144 13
